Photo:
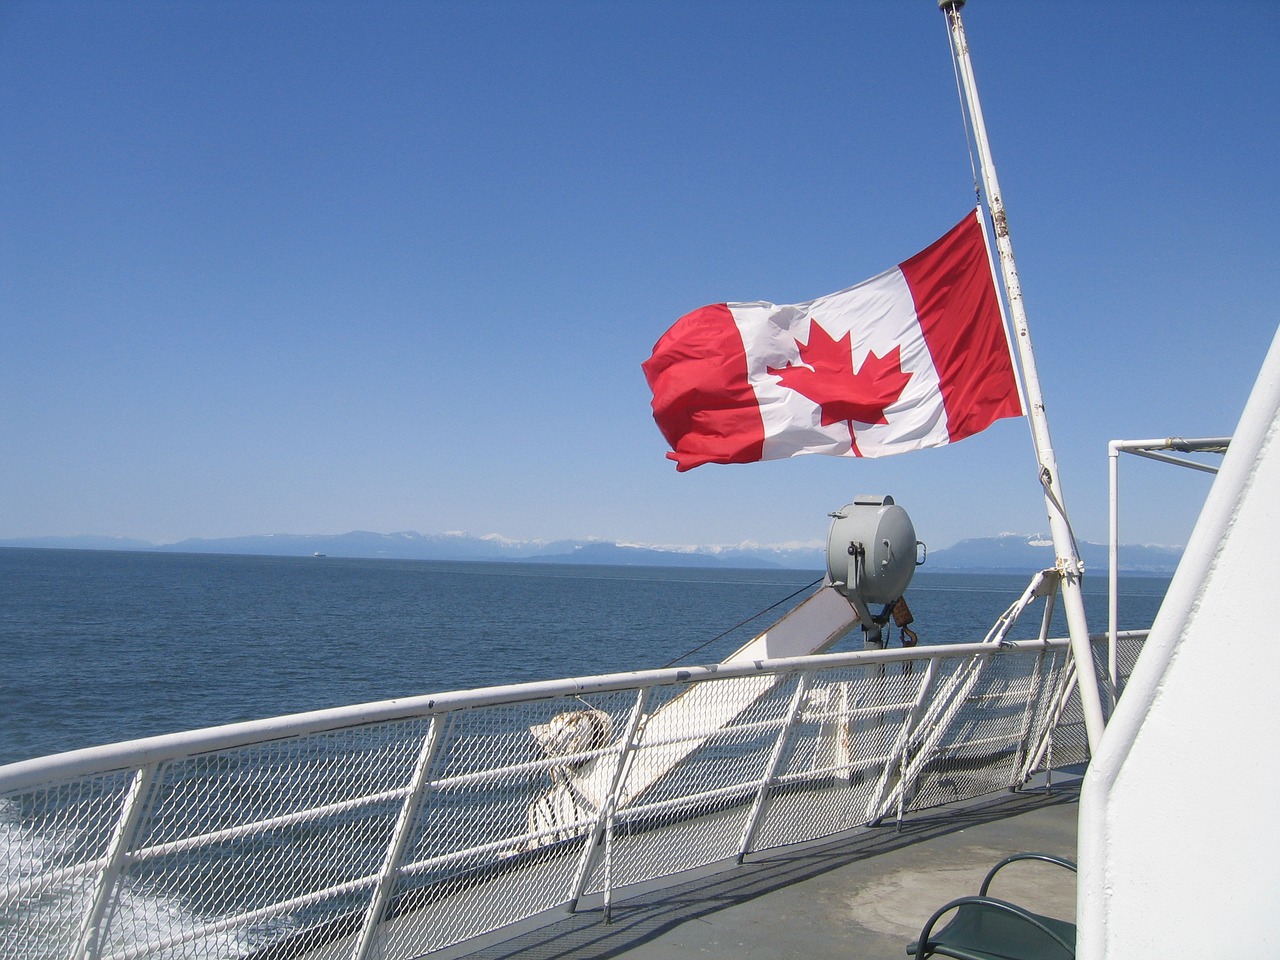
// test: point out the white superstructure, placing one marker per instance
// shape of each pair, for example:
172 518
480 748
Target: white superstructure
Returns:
1178 855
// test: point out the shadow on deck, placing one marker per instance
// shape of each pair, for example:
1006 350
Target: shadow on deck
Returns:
861 896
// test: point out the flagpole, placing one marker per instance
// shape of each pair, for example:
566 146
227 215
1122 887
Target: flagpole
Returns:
1068 558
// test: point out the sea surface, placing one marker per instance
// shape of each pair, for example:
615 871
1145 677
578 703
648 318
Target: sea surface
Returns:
102 646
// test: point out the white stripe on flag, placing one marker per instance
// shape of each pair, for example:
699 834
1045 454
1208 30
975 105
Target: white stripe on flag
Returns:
879 314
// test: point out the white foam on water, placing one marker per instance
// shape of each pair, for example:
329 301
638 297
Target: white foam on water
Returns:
41 924
44 924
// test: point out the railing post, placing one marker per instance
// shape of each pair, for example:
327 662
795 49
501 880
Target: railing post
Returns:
604 816
762 790
1113 563
1028 715
909 724
1054 716
90 945
1020 775
938 719
399 838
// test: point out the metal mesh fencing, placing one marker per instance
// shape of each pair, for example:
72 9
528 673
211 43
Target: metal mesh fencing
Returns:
399 829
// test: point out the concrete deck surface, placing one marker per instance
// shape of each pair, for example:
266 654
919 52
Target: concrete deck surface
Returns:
861 897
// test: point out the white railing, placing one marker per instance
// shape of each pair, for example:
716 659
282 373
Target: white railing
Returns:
1162 450
400 828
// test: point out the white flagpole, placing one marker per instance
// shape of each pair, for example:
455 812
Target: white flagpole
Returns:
1068 558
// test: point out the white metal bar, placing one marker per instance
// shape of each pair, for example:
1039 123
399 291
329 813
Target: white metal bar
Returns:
399 838
1176 461
771 768
1060 704
857 713
1049 718
896 755
127 823
1142 448
500 847
1028 717
1113 561
131 754
607 905
936 720
38 882
844 769
1050 601
1055 503
639 811
1009 619
626 751
261 826
1177 444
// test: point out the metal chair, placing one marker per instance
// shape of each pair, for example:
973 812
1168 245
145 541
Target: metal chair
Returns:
985 928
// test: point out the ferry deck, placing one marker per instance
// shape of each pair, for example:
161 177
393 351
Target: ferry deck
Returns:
863 897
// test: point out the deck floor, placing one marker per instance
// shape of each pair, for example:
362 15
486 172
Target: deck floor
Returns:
863 896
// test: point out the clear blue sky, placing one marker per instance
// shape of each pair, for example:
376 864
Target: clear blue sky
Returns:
286 267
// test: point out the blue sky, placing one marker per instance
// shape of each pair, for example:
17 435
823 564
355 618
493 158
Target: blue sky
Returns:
313 267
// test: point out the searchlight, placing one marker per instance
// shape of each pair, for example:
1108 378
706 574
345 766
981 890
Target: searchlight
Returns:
872 555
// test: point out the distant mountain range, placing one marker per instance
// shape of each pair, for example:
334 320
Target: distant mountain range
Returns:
456 546
1007 552
1012 551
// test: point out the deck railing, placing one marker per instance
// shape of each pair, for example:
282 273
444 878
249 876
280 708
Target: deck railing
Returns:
396 829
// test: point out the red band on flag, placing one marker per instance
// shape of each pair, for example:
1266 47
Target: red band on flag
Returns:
952 278
702 401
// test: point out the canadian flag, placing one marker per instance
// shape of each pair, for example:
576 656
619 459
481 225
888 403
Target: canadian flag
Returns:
915 357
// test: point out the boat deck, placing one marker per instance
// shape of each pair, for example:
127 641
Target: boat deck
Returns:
863 896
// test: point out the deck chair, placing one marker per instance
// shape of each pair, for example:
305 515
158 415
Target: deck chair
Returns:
985 928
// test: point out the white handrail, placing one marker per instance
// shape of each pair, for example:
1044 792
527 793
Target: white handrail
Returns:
414 818
135 753
1151 450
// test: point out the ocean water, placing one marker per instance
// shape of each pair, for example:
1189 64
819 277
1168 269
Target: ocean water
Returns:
99 646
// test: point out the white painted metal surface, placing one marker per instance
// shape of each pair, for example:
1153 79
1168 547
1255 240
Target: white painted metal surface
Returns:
1178 853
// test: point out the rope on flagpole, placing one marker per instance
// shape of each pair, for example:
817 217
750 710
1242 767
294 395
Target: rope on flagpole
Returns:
965 120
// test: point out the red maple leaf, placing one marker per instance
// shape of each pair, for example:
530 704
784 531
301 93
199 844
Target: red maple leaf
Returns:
843 394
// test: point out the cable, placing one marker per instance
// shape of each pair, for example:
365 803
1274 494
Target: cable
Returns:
964 112
741 624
